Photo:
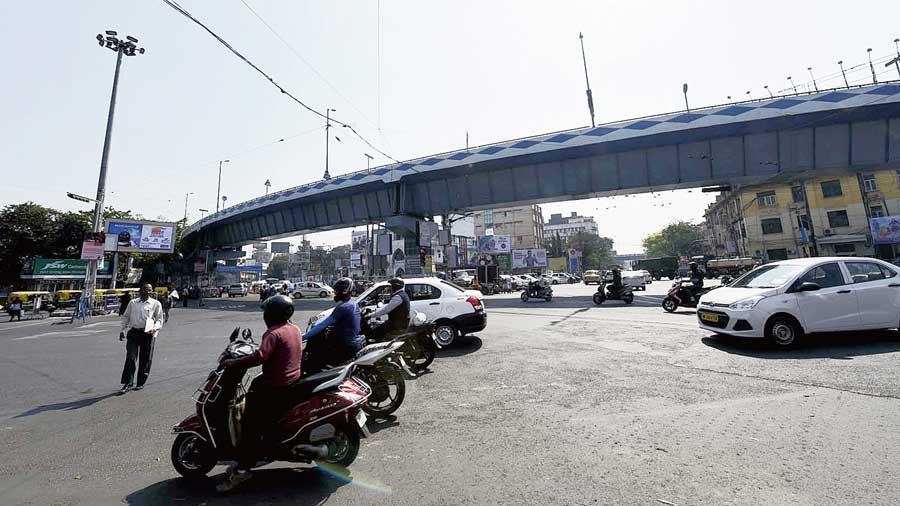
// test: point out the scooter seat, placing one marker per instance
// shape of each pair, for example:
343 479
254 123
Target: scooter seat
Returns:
303 388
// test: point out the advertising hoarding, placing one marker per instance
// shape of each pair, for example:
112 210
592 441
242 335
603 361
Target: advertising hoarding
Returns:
528 258
885 230
92 247
66 268
492 244
281 247
358 241
132 236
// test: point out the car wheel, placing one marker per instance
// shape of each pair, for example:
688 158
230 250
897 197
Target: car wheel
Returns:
445 333
524 297
323 294
298 295
783 331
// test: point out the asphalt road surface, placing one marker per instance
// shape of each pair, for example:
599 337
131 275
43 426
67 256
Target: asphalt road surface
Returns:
554 403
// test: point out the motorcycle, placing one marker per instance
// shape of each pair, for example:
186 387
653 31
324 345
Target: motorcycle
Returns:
537 290
607 292
419 348
680 296
325 421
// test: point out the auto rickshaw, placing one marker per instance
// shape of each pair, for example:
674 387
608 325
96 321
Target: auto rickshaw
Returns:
28 298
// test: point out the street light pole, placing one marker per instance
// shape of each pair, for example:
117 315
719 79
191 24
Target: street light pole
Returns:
186 195
872 67
127 47
368 161
684 89
327 139
219 187
590 96
267 185
203 212
843 73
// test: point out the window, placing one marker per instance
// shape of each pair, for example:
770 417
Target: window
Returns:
767 199
826 276
831 188
768 276
777 254
771 226
844 249
797 194
488 218
869 183
877 211
861 272
838 219
888 272
803 221
422 292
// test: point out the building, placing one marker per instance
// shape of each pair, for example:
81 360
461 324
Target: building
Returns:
569 226
824 215
524 225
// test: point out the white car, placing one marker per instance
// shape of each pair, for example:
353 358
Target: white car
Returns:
784 300
237 290
648 278
634 279
312 289
454 310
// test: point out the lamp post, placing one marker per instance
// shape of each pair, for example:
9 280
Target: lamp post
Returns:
792 84
327 139
843 73
203 212
590 96
127 47
224 198
684 88
368 161
815 86
267 185
186 195
219 187
872 67
768 90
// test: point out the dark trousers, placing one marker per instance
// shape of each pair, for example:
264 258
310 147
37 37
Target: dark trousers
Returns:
15 313
138 352
264 404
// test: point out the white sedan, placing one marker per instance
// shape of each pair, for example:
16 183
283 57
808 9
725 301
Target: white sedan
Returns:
312 289
784 300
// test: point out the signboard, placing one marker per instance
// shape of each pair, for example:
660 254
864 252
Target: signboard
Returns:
359 241
427 230
493 244
92 247
355 259
67 268
132 236
574 253
199 265
383 244
528 258
414 267
504 262
239 268
281 247
885 230
261 246
133 276
429 264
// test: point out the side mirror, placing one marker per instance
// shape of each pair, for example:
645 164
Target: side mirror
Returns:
234 334
808 287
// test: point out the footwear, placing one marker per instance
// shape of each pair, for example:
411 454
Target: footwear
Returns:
139 387
234 480
126 388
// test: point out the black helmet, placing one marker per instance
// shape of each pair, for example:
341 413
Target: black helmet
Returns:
692 265
342 288
277 309
396 283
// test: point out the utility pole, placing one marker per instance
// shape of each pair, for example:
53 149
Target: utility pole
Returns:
895 61
843 73
368 161
815 86
267 185
127 47
768 90
684 88
327 139
219 187
590 97
186 195
872 67
792 84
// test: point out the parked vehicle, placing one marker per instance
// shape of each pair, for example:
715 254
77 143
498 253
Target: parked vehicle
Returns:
680 296
648 278
658 267
537 290
325 422
785 300
634 279
593 276
237 290
607 292
312 289
453 310
360 286
729 266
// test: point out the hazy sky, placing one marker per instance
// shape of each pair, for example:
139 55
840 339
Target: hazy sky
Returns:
497 69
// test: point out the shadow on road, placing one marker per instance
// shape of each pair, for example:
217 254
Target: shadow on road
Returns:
248 305
295 487
460 347
376 425
839 346
65 406
576 302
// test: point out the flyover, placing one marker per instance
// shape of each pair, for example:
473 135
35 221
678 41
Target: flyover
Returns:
749 142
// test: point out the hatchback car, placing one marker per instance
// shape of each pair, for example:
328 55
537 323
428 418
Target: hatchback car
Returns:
592 277
783 301
312 289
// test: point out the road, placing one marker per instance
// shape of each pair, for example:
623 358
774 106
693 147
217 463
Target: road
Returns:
554 403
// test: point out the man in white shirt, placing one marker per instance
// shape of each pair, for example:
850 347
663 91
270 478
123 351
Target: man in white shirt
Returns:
141 320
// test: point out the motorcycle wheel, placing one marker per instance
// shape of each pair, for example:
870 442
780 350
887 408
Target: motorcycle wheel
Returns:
344 446
419 354
628 298
548 298
388 390
599 298
192 457
670 304
524 297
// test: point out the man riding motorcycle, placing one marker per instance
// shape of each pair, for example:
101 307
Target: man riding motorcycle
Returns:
617 279
279 354
345 339
397 311
696 280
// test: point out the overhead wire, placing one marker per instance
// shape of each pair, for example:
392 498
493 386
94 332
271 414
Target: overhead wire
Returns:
174 5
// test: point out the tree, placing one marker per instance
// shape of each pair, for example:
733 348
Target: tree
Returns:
554 246
278 267
676 239
596 251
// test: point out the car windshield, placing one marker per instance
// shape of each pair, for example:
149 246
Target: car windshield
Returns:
453 285
768 276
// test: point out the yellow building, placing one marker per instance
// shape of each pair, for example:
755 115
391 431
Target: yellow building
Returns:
825 215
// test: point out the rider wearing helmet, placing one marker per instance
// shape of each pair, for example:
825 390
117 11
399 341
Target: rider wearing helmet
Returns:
279 354
696 279
397 311
344 340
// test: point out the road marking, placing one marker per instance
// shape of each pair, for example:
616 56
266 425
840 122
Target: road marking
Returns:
99 323
69 333
24 325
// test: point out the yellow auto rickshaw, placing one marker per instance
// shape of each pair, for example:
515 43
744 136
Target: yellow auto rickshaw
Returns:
28 298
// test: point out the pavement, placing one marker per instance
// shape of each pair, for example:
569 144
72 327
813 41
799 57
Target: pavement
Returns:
561 403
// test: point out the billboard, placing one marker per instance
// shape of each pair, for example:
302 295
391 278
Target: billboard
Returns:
885 230
491 244
131 236
262 246
528 258
66 268
92 247
358 241
281 247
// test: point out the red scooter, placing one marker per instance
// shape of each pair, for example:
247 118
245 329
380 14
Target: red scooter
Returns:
680 296
325 422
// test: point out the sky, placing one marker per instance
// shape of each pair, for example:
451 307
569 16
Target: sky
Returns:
495 69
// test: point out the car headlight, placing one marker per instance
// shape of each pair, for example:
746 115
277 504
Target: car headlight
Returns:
745 304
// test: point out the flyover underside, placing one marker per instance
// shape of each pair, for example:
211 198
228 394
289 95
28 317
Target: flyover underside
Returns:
748 158
747 153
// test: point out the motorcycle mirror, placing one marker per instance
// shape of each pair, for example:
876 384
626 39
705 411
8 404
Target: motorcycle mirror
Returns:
247 335
234 334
